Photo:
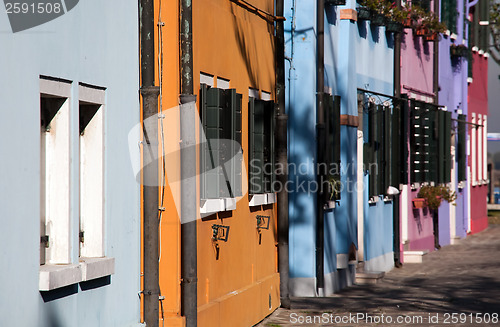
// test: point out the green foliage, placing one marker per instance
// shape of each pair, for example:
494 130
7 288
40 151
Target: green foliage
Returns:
433 195
419 16
495 29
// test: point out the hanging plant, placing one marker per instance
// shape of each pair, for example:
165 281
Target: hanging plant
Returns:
433 195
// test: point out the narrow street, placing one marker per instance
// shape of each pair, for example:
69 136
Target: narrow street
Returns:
462 279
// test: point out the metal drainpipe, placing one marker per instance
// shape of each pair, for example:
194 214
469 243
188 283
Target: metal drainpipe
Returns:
282 157
320 139
397 94
150 94
189 270
435 84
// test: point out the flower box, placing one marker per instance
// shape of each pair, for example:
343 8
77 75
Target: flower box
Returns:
421 31
408 23
431 37
335 2
394 27
364 13
418 203
378 20
459 51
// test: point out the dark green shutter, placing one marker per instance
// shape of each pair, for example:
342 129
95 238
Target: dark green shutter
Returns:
380 150
332 117
404 126
432 144
211 111
256 146
232 132
395 145
269 158
461 147
370 151
387 147
449 14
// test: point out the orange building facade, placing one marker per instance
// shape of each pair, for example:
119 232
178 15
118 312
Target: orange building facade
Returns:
233 47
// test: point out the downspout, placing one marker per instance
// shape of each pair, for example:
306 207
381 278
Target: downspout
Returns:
435 84
282 157
320 145
150 205
396 201
189 270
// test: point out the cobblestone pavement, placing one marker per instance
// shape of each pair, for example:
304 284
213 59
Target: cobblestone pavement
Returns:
462 279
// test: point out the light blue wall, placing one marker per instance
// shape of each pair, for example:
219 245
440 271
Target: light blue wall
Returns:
351 61
95 43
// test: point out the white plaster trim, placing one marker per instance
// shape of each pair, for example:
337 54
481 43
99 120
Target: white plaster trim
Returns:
303 286
404 213
342 260
54 276
230 203
475 49
91 95
271 198
253 93
384 262
257 200
60 89
265 96
469 79
414 256
212 205
207 79
93 268
222 83
360 198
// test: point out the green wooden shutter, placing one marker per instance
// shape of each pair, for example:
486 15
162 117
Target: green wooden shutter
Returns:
484 30
332 118
379 148
447 147
461 147
256 146
269 157
335 123
449 14
211 111
370 151
432 144
387 147
395 145
404 126
232 143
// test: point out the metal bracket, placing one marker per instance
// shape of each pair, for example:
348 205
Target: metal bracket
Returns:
44 239
220 232
263 222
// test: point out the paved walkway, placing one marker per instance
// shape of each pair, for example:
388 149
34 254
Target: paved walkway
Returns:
462 279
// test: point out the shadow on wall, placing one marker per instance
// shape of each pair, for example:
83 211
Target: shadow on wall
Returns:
246 39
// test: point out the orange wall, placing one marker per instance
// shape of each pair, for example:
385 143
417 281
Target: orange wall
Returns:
231 42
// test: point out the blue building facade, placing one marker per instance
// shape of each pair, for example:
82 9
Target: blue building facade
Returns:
71 257
358 60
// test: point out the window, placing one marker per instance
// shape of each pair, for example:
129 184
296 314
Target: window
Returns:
261 146
449 14
221 154
332 118
91 129
54 172
461 147
56 228
485 149
473 150
430 143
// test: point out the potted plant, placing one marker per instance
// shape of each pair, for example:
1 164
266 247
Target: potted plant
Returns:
363 13
459 50
418 203
335 2
434 195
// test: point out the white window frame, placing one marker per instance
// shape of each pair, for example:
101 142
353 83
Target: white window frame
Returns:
211 206
485 149
473 150
58 270
92 195
479 149
55 177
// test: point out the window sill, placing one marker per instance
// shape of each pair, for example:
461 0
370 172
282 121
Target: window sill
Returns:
93 268
262 199
211 206
55 276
